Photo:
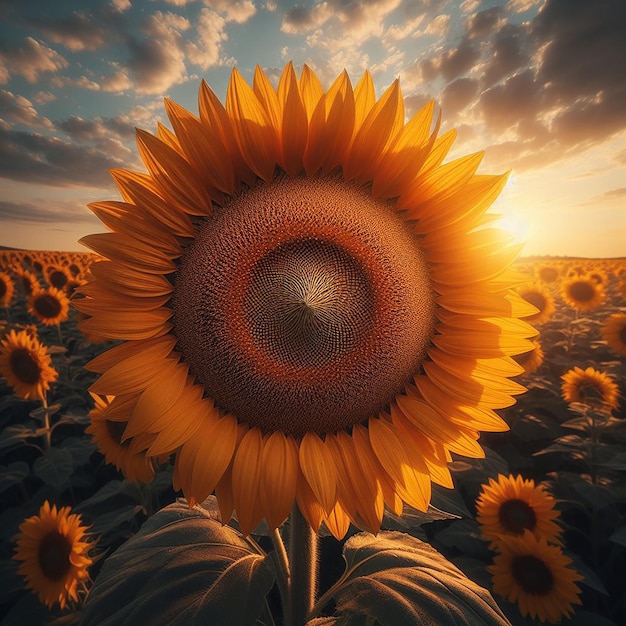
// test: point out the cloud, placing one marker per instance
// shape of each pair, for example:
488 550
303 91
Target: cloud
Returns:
116 82
36 158
29 60
18 109
235 10
46 211
158 61
457 95
348 23
97 128
120 5
207 49
78 31
82 81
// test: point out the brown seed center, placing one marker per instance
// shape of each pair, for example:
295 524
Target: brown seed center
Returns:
47 305
54 556
58 279
24 367
532 574
515 515
303 305
116 432
582 291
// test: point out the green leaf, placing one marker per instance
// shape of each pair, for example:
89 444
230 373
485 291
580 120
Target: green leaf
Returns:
182 567
54 468
13 436
13 474
81 449
40 412
396 579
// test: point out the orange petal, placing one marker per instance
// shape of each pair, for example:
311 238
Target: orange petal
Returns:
245 481
317 464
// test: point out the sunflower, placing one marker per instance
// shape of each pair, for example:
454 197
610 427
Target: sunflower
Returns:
50 306
589 387
27 281
541 299
614 332
107 434
510 505
583 293
58 276
532 360
312 307
548 273
537 576
26 365
54 553
6 289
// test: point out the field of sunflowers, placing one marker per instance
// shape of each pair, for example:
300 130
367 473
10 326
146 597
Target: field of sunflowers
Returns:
539 522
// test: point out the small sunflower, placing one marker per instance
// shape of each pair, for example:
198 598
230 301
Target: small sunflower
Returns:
614 332
313 306
6 289
108 435
58 276
50 306
537 576
55 554
583 293
541 299
510 505
548 274
26 365
590 387
27 281
532 360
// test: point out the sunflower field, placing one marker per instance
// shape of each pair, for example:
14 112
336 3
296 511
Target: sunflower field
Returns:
556 473
305 379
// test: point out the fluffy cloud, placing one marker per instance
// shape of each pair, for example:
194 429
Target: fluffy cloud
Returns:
37 158
206 50
29 60
16 108
235 10
78 31
158 61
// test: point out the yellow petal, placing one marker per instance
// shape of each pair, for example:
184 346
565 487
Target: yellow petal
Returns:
245 481
279 477
294 124
407 470
255 135
317 464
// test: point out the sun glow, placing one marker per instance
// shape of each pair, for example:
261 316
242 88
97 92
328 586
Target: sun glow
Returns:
516 225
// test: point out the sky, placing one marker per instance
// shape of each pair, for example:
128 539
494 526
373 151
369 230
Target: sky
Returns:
540 85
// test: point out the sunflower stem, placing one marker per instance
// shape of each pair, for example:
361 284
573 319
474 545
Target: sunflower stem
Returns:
284 573
303 565
46 424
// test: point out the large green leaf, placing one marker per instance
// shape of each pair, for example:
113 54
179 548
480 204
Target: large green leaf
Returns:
54 468
397 579
183 567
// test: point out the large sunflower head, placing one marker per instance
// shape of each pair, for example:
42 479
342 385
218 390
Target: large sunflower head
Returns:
50 306
7 289
311 305
511 504
583 293
108 435
54 551
590 387
537 295
614 332
26 365
537 576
